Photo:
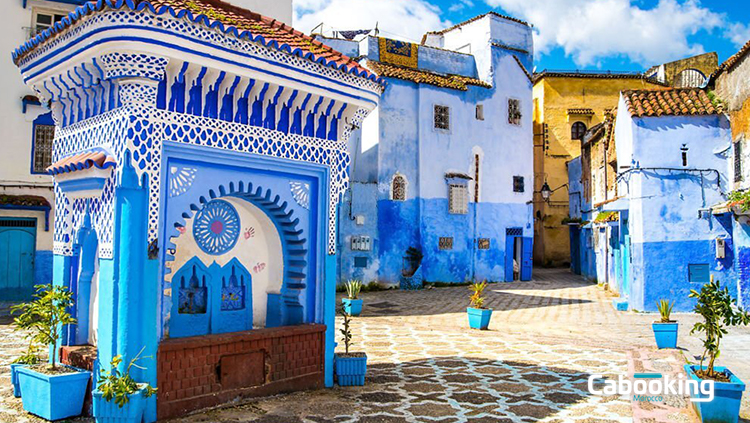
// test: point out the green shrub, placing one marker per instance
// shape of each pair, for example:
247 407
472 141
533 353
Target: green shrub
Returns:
116 385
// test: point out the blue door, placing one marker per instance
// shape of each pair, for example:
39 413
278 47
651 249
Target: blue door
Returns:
509 248
526 259
17 247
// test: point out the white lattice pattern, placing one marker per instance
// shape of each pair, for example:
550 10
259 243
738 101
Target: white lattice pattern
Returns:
118 65
214 36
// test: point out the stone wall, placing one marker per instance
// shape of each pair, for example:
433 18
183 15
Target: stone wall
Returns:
205 371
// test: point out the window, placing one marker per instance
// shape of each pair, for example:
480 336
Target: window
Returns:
690 78
445 243
44 20
483 243
518 184
44 133
684 151
577 131
398 188
738 161
514 111
699 273
361 243
360 261
480 112
458 199
442 117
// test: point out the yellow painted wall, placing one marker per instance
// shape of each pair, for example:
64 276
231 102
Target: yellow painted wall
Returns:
553 96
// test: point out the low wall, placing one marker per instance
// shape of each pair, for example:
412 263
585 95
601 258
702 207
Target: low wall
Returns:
204 371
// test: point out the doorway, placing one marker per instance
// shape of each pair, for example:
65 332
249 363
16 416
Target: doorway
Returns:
17 250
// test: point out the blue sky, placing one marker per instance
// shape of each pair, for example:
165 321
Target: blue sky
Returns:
569 34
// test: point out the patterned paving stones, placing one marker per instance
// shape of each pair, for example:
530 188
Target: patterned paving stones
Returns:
546 337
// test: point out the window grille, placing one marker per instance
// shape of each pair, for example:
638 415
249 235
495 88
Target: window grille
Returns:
480 112
518 184
738 161
398 188
442 117
43 137
445 243
483 243
458 199
17 223
577 131
513 231
514 111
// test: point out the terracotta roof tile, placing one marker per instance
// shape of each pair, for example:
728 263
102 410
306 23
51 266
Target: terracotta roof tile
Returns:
674 102
732 60
457 82
217 14
24 200
581 111
81 161
595 75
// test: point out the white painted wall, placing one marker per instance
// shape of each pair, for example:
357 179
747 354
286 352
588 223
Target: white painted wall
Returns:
278 9
263 247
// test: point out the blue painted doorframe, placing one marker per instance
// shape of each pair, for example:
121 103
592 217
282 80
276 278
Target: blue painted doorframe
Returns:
17 249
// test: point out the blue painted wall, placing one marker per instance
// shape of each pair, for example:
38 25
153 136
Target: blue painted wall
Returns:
43 267
402 138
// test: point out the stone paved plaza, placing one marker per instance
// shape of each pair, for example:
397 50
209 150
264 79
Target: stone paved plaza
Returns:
546 337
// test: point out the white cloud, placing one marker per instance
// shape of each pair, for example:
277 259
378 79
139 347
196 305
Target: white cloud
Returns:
590 30
403 19
738 34
460 5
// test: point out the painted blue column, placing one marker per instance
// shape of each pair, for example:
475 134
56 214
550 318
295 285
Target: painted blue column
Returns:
131 249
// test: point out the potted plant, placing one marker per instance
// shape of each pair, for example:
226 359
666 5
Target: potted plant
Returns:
49 390
350 367
717 308
665 330
479 317
352 305
30 357
118 398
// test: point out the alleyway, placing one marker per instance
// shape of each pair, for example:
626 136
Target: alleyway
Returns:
546 337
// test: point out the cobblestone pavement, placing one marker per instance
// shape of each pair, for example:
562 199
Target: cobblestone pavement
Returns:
546 337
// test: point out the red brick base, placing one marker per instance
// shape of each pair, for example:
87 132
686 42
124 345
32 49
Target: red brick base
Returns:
205 371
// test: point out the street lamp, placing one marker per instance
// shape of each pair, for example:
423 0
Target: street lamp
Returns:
546 191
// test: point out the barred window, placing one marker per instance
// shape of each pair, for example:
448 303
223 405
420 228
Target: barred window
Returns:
738 161
577 131
43 137
518 185
514 111
445 243
442 117
483 243
458 199
398 188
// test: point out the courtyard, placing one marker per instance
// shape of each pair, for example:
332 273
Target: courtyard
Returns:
424 365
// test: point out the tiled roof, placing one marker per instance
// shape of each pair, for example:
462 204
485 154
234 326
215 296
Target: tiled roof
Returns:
732 60
81 161
674 102
598 75
24 200
457 82
581 111
523 68
229 19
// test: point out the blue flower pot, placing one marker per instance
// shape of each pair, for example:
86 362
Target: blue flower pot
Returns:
109 412
53 397
350 371
725 407
665 334
14 379
479 318
352 307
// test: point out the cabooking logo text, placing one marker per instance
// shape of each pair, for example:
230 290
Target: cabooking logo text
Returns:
651 387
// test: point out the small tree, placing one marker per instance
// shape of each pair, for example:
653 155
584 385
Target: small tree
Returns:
716 306
477 296
45 316
346 331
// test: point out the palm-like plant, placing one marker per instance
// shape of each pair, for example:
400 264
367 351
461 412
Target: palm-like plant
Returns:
477 289
353 286
46 315
665 310
717 307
